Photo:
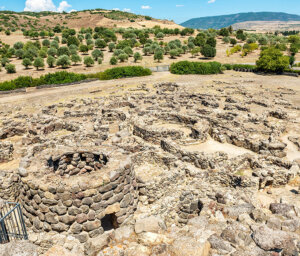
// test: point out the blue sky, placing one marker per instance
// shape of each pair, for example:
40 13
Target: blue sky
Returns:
177 10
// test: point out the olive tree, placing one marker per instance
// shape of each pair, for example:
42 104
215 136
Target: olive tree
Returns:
26 63
63 61
137 56
88 61
38 63
51 61
76 59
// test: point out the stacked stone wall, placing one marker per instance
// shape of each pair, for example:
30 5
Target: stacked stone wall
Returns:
80 210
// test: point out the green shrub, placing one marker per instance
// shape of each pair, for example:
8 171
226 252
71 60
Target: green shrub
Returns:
76 58
272 60
51 61
208 51
19 53
26 62
99 43
227 66
4 61
61 78
64 50
123 57
10 68
83 48
97 54
111 47
113 61
137 56
187 67
122 72
38 63
128 50
52 52
63 61
88 61
159 55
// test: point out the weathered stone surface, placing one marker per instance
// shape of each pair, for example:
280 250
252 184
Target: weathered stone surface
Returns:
269 239
149 224
187 246
19 248
95 245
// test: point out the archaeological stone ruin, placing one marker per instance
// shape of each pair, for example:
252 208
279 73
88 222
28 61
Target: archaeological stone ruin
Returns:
163 169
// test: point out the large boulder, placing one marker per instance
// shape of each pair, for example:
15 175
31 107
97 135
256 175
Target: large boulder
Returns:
188 246
271 240
95 245
149 224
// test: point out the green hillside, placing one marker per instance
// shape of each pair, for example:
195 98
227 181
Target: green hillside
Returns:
218 22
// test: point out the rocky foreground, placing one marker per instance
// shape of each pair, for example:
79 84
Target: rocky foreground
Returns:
211 171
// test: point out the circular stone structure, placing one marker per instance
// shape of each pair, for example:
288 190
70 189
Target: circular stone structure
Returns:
83 192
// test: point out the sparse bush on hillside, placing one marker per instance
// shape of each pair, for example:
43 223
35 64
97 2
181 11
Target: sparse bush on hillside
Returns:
83 48
26 63
159 55
51 61
123 57
76 59
226 40
4 61
160 35
208 51
88 61
111 47
38 63
52 52
64 50
137 56
19 53
10 68
113 61
63 61
99 43
46 43
97 54
233 41
128 50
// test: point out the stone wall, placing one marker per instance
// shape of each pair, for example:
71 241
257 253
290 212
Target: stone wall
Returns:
9 186
81 210
6 151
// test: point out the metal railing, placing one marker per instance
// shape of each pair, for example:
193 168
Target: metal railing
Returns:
12 225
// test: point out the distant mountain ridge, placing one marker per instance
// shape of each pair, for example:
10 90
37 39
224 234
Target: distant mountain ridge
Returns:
222 21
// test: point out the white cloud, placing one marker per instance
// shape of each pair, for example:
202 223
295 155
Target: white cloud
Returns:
145 7
2 7
63 6
211 1
116 9
127 10
179 5
45 5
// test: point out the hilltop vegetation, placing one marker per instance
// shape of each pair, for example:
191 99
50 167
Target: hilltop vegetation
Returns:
218 22
88 18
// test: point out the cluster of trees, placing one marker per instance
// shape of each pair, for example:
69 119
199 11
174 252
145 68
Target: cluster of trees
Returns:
35 54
